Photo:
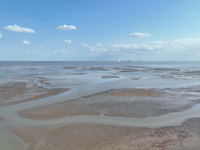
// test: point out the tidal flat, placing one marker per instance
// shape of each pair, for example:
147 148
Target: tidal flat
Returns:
100 105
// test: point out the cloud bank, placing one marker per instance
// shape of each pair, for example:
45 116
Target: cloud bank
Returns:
147 46
140 34
185 49
66 27
172 50
26 42
0 35
181 45
17 28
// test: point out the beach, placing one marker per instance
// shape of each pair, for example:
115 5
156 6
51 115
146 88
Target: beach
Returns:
100 108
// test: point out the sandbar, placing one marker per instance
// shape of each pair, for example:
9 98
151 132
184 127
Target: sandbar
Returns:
135 103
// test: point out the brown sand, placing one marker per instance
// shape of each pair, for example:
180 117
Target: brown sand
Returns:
107 137
1 119
136 93
139 103
104 103
70 67
19 92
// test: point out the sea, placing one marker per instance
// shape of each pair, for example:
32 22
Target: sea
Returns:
111 74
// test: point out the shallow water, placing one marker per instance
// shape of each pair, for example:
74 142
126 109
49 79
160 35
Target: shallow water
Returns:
82 80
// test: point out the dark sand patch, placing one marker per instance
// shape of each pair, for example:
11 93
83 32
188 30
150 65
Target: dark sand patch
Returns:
96 68
107 137
70 68
79 73
135 78
19 92
129 70
136 93
110 76
126 69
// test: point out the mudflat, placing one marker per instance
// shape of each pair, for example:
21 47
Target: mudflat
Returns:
134 102
142 103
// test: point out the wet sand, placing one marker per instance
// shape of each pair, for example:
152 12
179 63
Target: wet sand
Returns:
106 137
135 103
19 92
136 93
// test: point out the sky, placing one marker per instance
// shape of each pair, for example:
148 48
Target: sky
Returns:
99 30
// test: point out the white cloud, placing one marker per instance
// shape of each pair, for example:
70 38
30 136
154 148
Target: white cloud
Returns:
63 52
121 46
92 49
95 49
17 28
0 34
65 41
83 44
102 50
140 34
98 44
66 27
26 42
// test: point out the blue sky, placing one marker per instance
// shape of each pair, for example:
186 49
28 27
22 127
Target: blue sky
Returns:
87 30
